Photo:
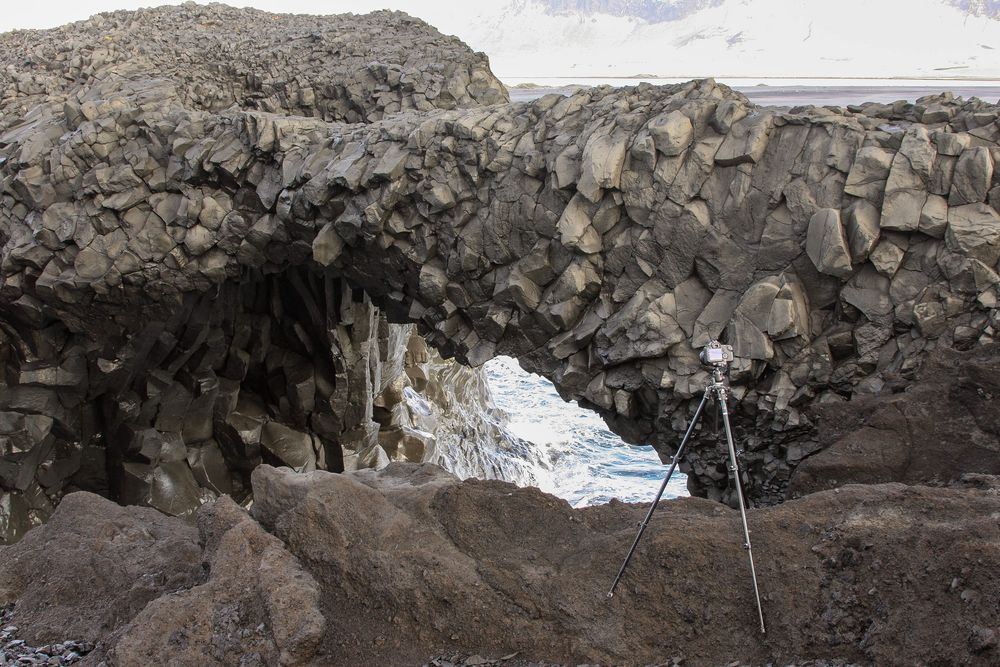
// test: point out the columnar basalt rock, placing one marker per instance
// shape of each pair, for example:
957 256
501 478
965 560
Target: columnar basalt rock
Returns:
202 430
166 265
347 68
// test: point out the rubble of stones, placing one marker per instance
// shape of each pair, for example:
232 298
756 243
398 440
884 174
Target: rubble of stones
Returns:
15 651
346 68
177 276
511 660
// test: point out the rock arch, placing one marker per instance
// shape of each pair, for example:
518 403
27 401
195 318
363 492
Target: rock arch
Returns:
165 258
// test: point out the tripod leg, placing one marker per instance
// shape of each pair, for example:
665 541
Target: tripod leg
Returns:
734 468
656 501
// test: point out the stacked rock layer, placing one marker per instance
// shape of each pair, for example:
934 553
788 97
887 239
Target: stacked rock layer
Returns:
175 270
176 454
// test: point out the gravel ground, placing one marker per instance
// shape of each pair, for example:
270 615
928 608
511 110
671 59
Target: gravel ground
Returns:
511 660
14 651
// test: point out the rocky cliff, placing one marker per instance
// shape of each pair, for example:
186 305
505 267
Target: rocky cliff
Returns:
347 69
184 243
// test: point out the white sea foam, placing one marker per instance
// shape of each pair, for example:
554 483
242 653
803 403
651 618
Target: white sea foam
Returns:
574 455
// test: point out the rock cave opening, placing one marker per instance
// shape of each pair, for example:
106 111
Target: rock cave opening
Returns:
578 457
177 249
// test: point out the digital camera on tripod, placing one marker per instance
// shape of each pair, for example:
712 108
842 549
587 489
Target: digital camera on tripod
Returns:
717 357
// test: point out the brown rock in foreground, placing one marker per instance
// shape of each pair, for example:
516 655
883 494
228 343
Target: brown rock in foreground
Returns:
409 562
94 566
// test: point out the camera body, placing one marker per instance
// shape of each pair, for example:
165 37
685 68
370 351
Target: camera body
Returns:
716 354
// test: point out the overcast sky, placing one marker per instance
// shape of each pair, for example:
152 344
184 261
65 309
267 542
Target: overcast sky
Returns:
737 38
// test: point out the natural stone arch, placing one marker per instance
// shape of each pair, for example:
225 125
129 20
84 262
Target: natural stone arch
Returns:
599 238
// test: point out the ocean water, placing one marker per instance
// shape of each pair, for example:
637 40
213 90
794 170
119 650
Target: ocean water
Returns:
574 455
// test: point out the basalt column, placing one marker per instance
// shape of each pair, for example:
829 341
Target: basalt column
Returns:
150 236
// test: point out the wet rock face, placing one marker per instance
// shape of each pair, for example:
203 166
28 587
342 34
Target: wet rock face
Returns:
176 277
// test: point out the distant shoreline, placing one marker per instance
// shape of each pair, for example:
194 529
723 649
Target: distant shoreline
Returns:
783 92
871 80
767 76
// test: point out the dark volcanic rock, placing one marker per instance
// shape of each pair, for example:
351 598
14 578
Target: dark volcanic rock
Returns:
192 245
395 566
256 605
93 567
14 651
349 68
943 424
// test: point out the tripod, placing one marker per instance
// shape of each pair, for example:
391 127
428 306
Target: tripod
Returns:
719 388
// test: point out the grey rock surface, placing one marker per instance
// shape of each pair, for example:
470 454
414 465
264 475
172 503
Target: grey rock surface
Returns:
345 68
826 244
188 284
940 427
14 651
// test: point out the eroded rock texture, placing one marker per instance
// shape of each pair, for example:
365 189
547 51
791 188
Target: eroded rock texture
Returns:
946 423
175 271
345 68
391 567
178 453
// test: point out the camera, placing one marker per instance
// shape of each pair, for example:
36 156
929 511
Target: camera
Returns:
716 354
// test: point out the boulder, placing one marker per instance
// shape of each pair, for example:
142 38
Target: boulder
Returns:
256 600
869 173
746 141
972 178
102 564
974 230
601 165
292 448
826 244
934 217
862 229
671 132
576 229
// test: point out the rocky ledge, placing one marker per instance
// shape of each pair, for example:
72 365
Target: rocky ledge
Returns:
220 272
396 566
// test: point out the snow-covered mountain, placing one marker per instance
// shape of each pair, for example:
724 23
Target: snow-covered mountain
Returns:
652 11
753 38
655 11
529 39
989 8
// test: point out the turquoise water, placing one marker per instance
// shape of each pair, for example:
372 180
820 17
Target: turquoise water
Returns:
578 458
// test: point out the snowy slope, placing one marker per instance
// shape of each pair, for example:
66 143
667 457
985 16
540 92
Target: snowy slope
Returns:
758 38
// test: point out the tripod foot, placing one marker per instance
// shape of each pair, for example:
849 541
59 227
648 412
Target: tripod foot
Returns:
611 594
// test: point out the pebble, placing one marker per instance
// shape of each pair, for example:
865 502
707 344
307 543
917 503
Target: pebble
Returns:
15 651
